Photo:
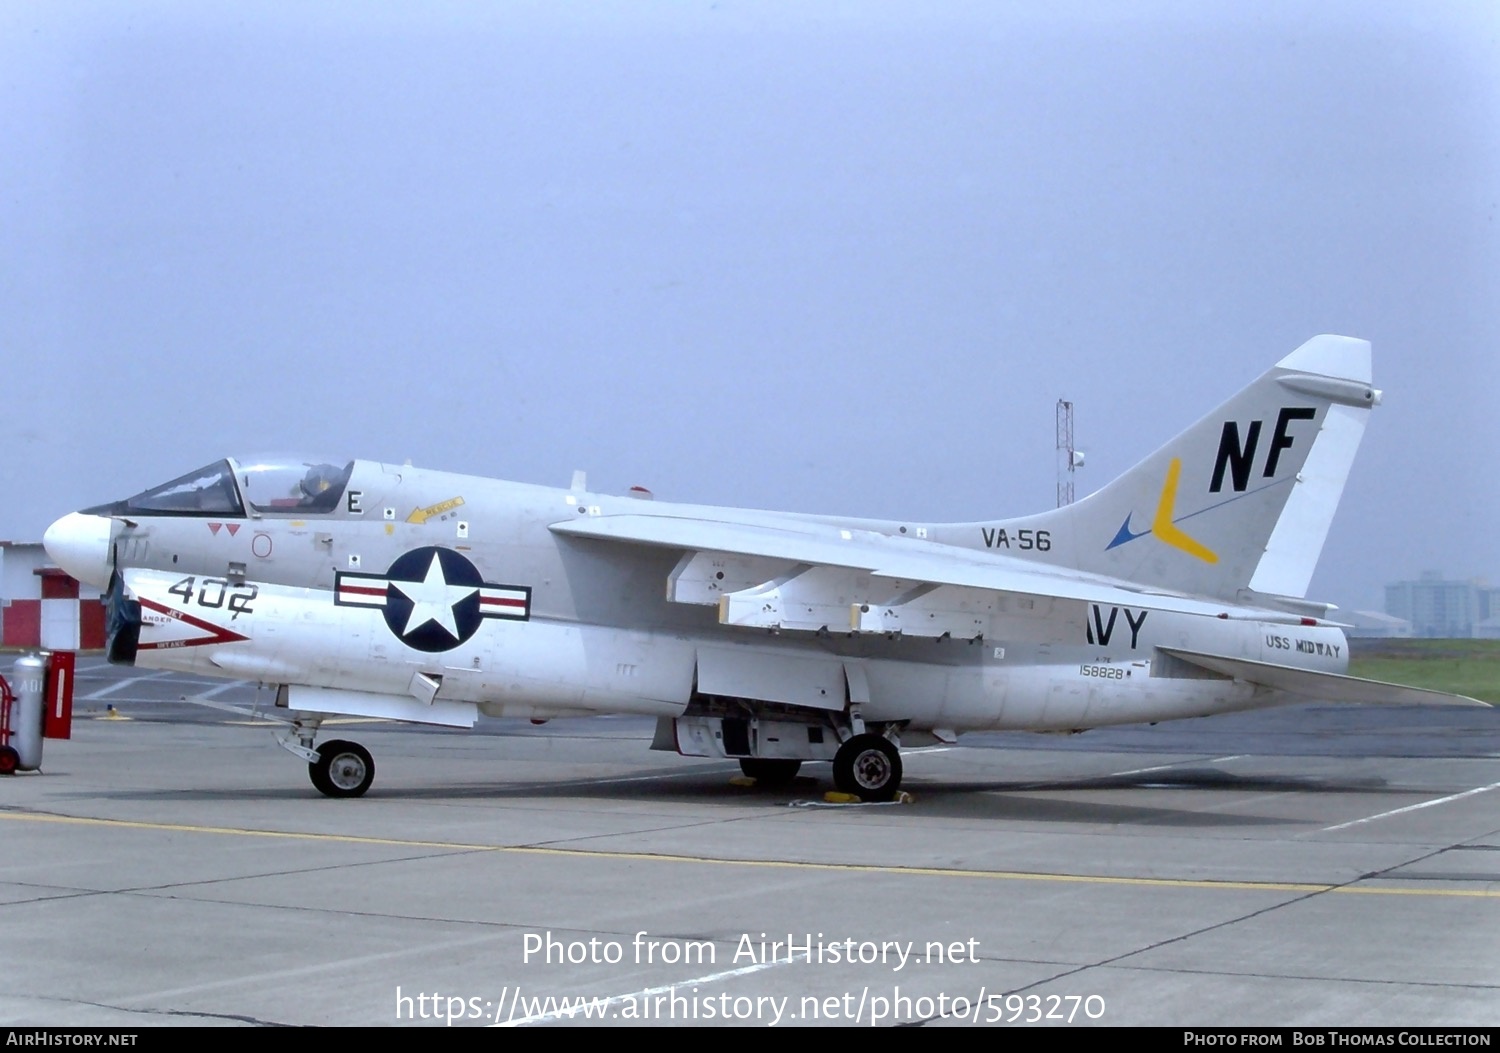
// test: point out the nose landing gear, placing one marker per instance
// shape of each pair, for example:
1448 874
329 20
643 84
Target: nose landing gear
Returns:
343 769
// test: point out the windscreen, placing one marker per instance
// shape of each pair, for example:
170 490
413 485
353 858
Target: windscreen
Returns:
209 491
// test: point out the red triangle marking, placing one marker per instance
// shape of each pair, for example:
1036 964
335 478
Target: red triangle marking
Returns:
233 528
215 528
217 634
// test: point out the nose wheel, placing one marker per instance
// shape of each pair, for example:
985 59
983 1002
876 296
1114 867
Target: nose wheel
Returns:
343 769
869 767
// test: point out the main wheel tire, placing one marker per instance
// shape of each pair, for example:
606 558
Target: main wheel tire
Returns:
769 772
869 767
343 769
10 760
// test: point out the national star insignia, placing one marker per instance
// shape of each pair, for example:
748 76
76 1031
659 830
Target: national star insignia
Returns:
433 599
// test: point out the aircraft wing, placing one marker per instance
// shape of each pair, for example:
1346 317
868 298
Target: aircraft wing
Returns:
815 575
1320 687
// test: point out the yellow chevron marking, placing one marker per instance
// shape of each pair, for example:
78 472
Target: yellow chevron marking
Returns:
1162 525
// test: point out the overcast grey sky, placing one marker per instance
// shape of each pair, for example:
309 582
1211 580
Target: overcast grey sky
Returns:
813 256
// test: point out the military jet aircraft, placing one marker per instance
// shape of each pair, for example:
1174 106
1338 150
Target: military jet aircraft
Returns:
365 589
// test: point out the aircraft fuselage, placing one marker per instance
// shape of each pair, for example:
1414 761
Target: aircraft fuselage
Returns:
598 633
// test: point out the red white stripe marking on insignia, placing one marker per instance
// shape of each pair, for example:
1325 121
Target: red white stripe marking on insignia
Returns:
503 602
361 595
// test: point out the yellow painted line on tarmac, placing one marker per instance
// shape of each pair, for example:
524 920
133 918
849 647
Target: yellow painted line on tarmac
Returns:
770 864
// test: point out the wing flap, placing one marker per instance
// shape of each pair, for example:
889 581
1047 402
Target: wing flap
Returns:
1320 687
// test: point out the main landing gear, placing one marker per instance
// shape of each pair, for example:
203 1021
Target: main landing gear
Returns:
770 772
869 767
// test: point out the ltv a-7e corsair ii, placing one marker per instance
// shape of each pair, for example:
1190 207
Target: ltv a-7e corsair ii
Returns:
775 638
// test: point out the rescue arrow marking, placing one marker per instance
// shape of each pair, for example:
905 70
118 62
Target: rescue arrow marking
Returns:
422 515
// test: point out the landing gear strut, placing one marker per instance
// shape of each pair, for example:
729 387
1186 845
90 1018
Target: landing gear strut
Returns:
868 766
343 769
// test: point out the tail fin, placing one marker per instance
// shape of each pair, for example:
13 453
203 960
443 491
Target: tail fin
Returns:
1240 501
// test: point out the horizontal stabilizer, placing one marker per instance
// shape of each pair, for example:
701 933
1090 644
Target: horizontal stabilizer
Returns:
1320 687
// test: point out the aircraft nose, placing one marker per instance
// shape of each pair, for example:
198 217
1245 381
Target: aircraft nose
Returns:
79 544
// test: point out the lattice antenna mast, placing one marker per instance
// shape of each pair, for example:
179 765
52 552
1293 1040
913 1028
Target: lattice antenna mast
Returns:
1068 458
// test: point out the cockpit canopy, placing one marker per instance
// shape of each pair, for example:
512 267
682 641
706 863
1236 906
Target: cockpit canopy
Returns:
289 485
267 485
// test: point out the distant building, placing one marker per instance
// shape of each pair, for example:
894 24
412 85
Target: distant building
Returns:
1489 629
1436 607
42 606
1373 625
